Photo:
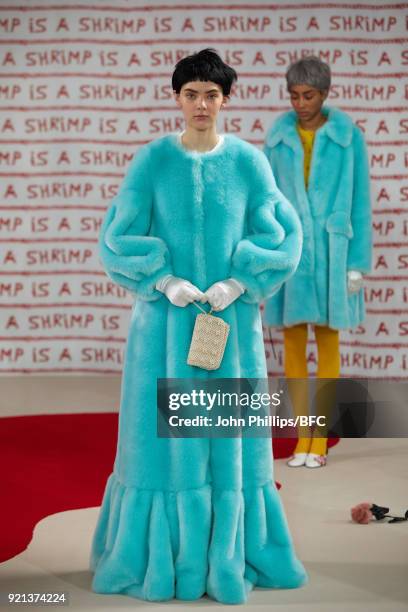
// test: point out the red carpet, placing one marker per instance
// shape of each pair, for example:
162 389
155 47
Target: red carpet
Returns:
52 463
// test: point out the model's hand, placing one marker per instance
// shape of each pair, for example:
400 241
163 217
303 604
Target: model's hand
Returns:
178 291
354 281
223 293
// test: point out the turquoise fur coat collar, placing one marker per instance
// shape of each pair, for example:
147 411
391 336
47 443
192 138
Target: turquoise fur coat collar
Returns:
339 128
335 213
185 517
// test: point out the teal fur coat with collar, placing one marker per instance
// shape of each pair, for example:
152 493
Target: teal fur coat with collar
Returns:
182 517
335 213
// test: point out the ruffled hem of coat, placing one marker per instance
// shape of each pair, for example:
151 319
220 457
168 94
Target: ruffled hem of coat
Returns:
157 545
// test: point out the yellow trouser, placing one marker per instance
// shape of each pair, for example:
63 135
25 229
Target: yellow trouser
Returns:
295 364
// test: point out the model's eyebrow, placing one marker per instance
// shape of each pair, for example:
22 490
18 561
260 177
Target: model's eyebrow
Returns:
196 91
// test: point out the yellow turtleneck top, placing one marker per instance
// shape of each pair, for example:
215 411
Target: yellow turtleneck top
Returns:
307 138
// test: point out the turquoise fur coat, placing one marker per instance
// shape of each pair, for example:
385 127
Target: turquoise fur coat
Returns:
335 213
182 517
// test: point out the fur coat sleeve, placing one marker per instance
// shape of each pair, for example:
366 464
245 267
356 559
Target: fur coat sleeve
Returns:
132 258
360 247
270 252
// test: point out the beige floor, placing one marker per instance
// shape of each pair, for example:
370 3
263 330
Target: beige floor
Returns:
351 567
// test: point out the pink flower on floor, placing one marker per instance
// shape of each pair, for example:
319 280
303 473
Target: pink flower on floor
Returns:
362 513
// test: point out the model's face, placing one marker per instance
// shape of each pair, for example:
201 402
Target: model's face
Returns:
306 101
200 103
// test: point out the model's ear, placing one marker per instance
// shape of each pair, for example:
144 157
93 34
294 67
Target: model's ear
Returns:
225 100
325 93
176 96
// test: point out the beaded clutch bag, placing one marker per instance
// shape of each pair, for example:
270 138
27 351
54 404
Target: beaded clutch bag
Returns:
208 342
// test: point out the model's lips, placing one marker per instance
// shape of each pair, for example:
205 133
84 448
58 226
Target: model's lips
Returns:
201 117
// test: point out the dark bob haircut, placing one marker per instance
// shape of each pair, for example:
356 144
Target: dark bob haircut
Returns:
206 65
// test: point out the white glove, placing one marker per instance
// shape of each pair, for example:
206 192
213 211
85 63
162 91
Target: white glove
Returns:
354 281
222 294
178 291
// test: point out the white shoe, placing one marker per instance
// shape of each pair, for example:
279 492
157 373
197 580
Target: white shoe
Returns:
315 461
297 460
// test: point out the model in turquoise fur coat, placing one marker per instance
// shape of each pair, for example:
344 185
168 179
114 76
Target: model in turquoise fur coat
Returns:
185 517
335 213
